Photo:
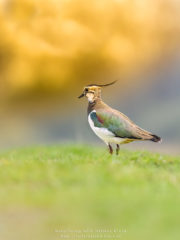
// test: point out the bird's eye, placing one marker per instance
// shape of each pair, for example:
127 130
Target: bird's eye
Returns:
86 89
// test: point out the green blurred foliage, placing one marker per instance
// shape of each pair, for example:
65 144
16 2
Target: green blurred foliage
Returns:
78 187
45 45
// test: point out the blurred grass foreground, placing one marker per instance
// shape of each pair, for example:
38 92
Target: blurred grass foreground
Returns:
49 192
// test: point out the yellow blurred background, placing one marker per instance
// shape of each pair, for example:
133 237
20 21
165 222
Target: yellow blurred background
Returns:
50 49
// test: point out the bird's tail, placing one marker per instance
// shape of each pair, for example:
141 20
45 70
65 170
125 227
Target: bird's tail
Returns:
155 138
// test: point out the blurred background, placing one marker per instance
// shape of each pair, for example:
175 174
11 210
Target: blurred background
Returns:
50 49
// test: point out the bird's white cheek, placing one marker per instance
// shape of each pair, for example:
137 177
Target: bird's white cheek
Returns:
90 97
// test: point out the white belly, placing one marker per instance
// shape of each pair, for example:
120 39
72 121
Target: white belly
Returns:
104 134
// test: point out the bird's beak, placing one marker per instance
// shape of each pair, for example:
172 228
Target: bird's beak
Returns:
82 95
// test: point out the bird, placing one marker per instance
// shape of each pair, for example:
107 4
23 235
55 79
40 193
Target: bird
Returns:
110 125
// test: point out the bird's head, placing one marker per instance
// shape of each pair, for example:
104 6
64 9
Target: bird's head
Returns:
93 91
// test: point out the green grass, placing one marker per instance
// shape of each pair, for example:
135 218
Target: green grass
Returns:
44 189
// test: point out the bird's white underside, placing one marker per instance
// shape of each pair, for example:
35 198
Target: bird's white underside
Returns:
104 134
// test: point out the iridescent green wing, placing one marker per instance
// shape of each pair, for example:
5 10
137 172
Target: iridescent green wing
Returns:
116 123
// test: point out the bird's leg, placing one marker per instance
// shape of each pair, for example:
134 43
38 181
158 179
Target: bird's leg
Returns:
117 149
110 149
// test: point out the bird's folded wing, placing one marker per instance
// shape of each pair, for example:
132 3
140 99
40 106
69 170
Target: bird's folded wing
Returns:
118 124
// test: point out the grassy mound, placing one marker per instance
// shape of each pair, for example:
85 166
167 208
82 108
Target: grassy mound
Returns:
59 192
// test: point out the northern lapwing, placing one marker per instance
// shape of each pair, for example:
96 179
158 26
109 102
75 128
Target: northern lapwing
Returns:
109 124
